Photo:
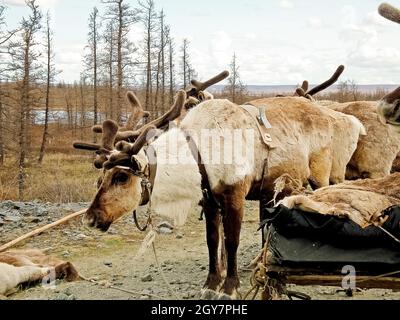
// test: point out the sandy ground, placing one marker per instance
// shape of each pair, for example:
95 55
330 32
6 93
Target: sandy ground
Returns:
112 258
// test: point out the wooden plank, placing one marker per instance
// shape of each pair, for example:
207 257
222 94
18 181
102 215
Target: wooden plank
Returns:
41 230
362 282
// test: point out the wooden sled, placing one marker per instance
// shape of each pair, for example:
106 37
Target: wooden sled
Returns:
295 255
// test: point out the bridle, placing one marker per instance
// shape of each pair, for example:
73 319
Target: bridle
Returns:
148 178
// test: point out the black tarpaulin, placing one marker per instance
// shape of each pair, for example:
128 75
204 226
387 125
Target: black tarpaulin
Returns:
302 238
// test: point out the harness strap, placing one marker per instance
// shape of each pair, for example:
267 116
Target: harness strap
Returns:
147 187
208 195
151 176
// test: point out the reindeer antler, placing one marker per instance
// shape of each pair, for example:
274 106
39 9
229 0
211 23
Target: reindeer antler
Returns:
159 123
137 114
111 135
198 86
110 131
305 86
328 83
127 150
389 12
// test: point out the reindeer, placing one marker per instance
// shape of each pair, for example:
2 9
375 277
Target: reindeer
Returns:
378 149
29 266
174 172
389 106
337 173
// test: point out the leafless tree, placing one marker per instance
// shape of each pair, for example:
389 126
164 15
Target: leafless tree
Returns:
187 71
149 17
235 89
27 72
108 58
50 75
91 58
171 68
123 16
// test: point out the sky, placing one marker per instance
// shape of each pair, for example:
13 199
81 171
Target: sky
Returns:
277 42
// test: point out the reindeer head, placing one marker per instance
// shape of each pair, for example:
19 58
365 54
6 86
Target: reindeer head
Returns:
389 106
125 166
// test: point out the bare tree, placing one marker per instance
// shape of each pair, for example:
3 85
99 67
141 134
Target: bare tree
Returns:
5 35
187 71
235 89
120 12
163 44
171 69
2 36
148 18
25 69
108 64
185 62
50 75
91 60
353 90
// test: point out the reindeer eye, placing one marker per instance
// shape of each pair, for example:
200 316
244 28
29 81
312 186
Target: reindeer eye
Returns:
120 178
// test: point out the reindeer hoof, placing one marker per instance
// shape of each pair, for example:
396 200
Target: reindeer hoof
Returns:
225 297
207 294
229 297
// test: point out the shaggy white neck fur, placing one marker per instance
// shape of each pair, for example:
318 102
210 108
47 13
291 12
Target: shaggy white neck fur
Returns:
177 187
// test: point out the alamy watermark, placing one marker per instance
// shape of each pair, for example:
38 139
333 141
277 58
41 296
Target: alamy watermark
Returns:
349 281
227 147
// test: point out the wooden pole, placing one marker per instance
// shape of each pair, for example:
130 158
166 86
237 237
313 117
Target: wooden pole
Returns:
41 230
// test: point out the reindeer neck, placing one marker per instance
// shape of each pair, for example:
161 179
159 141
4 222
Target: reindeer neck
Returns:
177 187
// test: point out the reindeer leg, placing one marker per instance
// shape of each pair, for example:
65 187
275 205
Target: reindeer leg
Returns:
214 280
234 208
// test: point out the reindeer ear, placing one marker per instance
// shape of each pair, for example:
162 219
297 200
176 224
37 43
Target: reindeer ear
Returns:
137 163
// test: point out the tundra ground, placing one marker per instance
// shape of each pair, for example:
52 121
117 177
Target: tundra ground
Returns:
112 259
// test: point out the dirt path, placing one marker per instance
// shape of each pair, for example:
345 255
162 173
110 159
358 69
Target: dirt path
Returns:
112 259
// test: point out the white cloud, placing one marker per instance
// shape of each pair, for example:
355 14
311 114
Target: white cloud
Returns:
314 22
286 4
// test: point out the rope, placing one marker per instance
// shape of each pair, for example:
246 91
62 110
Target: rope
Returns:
388 233
136 293
162 273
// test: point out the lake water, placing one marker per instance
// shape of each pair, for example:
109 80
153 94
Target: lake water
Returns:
60 116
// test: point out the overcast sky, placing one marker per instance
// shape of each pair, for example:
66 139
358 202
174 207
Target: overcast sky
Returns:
276 41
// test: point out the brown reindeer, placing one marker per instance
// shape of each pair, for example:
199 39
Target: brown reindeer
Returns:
179 169
377 150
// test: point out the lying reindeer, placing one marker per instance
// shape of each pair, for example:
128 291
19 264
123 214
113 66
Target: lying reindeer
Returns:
171 175
29 266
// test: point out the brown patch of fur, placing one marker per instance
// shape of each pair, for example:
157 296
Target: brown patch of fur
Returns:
113 201
378 149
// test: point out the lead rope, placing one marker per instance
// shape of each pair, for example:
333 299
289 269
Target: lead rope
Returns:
147 187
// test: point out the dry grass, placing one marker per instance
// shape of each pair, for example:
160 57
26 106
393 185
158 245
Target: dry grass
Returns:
60 179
